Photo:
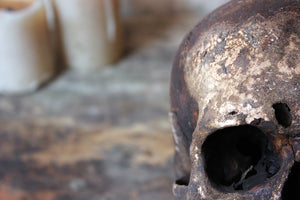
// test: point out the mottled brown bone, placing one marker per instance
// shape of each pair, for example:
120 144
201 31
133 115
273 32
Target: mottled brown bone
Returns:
238 68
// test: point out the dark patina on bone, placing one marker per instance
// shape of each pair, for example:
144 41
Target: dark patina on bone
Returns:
235 110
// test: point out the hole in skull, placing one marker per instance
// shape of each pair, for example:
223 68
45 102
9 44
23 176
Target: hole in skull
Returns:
239 158
291 186
183 182
232 113
282 114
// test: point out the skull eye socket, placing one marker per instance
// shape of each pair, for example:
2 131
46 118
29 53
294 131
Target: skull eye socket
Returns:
239 158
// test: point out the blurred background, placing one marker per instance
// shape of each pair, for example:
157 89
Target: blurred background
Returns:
105 134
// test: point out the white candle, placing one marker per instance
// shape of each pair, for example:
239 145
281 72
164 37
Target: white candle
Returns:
90 32
26 55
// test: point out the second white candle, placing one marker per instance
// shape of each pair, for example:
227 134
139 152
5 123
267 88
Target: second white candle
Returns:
90 32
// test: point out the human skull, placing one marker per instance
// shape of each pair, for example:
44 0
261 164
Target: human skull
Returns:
235 103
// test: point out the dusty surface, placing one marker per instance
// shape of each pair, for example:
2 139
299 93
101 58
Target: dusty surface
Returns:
102 135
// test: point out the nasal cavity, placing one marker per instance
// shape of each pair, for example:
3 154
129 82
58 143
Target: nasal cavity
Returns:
239 158
291 186
282 114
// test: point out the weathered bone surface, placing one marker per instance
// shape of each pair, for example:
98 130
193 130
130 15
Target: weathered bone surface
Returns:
235 103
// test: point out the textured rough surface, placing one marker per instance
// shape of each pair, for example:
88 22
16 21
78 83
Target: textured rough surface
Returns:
233 69
103 135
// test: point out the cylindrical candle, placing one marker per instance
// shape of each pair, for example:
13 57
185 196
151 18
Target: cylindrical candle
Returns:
26 54
90 32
